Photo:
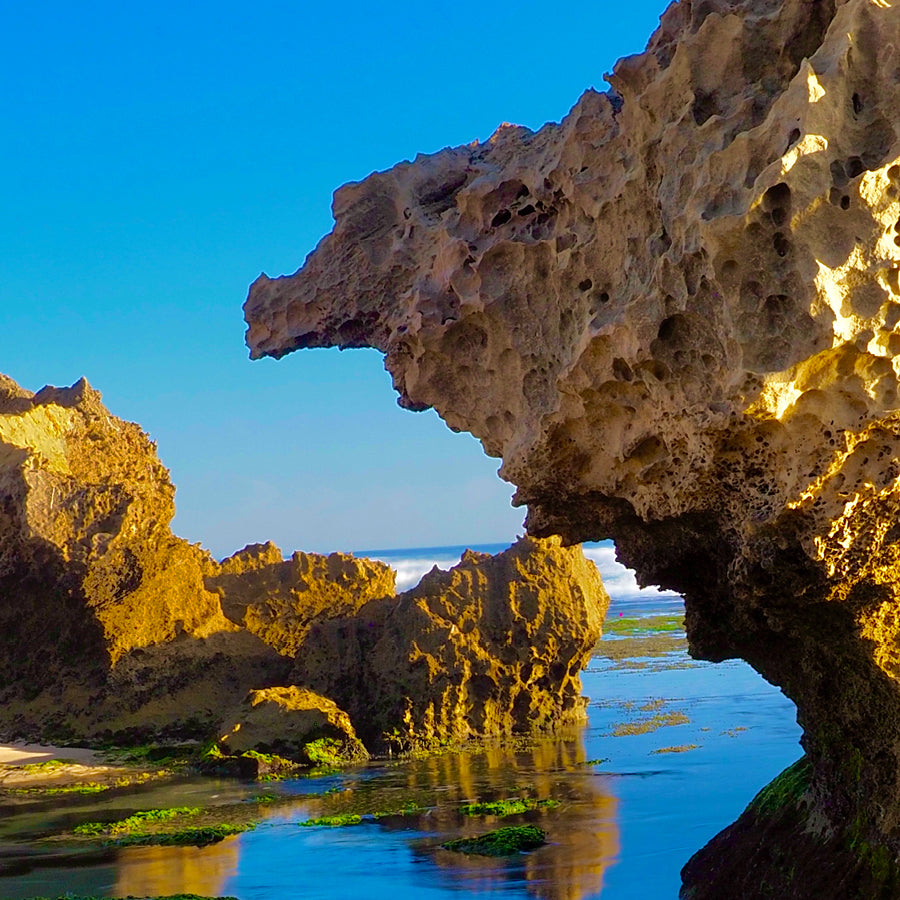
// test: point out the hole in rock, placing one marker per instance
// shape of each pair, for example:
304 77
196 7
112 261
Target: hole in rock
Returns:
585 285
781 244
855 166
526 210
501 218
838 175
857 104
622 370
845 202
603 297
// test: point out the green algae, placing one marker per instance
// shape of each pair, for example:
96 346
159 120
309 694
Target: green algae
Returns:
47 766
136 822
502 808
167 897
410 808
654 723
334 821
502 842
200 836
633 626
680 748
786 789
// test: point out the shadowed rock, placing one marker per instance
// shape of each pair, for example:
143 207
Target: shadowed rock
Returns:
674 315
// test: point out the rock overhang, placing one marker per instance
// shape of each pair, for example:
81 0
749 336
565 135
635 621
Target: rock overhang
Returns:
674 316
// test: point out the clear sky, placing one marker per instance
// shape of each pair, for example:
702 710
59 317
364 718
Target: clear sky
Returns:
157 156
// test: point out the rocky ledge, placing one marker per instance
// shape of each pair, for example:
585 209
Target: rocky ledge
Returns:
675 315
112 628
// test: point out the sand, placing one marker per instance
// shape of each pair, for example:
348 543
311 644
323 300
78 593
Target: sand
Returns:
18 754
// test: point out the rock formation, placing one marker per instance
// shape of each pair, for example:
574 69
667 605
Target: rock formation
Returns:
675 317
278 599
112 627
492 647
295 723
105 623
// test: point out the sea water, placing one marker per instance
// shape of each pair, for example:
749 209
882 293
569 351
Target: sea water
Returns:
673 751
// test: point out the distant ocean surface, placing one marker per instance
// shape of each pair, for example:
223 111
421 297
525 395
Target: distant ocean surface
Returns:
673 751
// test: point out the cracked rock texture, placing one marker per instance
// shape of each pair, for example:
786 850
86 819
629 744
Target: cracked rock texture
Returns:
676 317
492 647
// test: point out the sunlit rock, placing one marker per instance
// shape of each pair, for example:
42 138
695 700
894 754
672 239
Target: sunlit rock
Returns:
295 723
278 599
105 624
675 317
493 647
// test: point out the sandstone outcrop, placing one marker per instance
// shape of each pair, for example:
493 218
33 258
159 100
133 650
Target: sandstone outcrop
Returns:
675 316
278 599
112 627
105 624
492 647
295 723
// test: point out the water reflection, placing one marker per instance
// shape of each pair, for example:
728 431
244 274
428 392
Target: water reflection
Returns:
583 835
582 832
161 871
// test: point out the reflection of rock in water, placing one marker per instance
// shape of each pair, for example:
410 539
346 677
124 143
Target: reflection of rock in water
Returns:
583 835
155 871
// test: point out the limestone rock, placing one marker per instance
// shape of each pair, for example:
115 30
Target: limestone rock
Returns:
494 646
295 723
277 599
94 585
676 317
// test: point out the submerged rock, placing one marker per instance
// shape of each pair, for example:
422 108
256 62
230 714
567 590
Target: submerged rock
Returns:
675 316
492 647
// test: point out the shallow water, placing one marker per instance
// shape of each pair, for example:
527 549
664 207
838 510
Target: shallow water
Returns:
629 817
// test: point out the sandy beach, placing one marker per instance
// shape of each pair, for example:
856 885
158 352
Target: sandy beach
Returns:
20 754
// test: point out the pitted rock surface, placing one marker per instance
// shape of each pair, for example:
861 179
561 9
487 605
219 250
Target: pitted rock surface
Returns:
492 647
674 315
278 599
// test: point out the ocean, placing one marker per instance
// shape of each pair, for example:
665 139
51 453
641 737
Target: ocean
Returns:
673 751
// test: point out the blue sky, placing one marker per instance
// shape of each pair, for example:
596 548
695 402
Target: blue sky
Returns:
157 157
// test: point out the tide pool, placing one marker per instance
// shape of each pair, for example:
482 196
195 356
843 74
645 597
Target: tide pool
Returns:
673 751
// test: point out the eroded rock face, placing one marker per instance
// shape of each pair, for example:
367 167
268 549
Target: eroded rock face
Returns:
278 599
675 317
492 647
105 623
112 627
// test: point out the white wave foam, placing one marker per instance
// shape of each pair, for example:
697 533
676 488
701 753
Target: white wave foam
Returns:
620 582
